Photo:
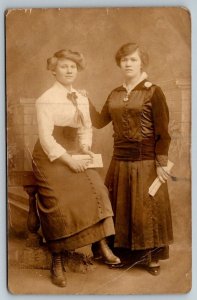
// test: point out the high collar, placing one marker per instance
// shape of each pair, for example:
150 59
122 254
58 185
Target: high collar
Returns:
143 77
139 85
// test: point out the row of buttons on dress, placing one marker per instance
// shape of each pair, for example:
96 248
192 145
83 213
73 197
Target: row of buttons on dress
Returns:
125 115
94 192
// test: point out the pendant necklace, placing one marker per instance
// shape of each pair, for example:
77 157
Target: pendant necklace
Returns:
128 91
126 98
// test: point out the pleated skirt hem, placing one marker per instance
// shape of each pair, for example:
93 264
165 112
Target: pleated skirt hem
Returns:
141 221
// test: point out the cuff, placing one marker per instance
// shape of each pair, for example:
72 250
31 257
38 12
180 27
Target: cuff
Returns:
161 160
85 146
56 155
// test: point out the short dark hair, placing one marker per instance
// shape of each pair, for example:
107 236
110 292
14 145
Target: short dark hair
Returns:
129 48
66 54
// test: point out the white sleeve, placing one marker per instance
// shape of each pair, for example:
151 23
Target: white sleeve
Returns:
45 129
85 132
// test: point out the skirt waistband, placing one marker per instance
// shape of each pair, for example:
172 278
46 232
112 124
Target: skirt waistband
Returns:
134 151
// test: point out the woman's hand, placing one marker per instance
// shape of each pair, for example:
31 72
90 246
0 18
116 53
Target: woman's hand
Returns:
163 174
75 165
86 150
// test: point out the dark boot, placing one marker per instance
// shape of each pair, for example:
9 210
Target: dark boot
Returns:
107 254
64 256
57 275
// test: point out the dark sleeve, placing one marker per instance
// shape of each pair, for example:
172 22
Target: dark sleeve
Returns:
100 120
161 119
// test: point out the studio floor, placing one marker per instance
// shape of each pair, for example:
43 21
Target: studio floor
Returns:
175 277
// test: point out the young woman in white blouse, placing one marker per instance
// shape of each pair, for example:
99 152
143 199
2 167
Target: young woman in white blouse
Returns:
73 203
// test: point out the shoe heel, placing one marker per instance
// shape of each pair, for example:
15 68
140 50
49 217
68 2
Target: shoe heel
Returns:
107 254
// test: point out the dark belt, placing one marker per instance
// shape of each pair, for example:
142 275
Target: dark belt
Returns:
134 150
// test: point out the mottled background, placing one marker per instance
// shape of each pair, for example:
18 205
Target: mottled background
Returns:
34 35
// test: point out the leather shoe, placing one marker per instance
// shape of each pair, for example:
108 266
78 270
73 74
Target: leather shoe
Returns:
155 271
107 254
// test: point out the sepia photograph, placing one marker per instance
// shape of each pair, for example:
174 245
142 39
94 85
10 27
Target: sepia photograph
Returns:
98 116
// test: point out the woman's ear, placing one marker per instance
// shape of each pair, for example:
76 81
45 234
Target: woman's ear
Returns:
54 73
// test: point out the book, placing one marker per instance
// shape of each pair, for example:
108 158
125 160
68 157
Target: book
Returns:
92 162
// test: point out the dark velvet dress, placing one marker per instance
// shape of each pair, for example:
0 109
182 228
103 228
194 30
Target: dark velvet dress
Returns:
141 142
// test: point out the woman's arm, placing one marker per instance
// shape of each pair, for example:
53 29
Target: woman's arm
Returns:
45 130
161 120
100 120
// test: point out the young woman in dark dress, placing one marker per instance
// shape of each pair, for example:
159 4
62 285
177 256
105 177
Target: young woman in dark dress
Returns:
139 114
73 203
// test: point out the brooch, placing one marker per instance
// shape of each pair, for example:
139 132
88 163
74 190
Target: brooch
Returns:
148 84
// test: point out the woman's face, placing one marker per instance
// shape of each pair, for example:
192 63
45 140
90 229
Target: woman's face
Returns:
66 71
131 65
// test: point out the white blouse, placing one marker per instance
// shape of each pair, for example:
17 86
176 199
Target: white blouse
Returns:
55 109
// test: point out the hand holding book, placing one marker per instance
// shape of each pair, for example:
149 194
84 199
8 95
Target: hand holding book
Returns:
94 161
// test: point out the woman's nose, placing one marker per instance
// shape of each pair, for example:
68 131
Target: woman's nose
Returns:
128 63
69 70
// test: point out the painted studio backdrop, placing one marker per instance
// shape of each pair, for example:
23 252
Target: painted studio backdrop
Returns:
34 35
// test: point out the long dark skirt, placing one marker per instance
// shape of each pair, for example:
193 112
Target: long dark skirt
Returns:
142 222
74 208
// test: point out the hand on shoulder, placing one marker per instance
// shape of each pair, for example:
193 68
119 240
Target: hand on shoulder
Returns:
83 93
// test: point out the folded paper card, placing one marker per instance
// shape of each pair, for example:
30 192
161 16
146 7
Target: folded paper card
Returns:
157 183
